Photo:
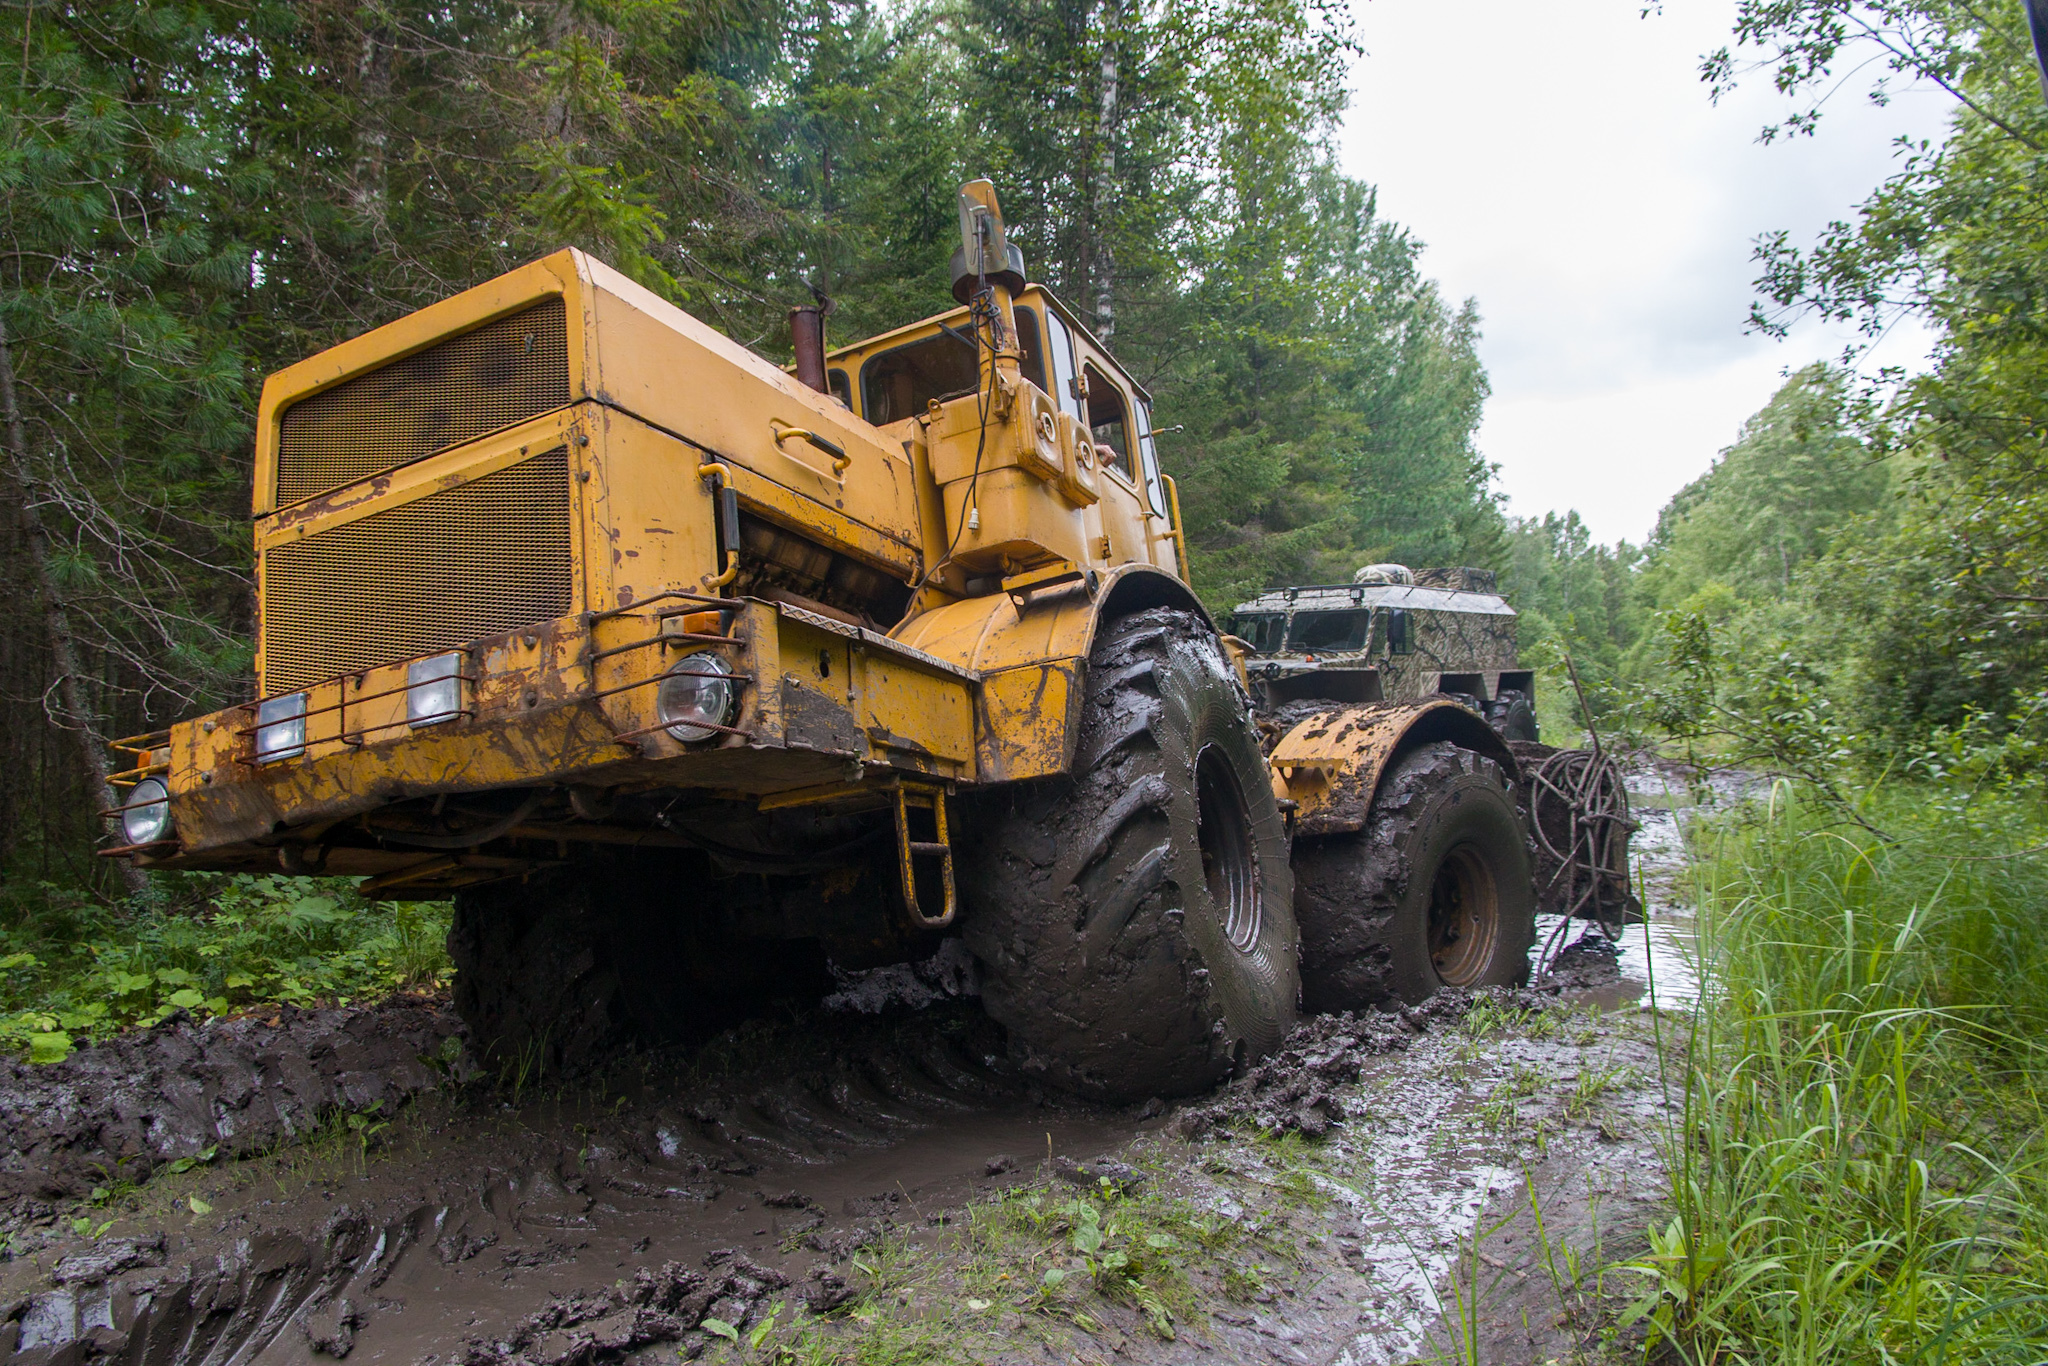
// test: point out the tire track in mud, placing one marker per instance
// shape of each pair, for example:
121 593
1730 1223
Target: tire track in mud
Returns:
607 1223
808 1141
606 1220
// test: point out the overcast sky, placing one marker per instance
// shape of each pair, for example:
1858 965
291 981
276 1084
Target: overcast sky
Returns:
1565 168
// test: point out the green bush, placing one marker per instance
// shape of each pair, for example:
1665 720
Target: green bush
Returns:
209 946
1859 1171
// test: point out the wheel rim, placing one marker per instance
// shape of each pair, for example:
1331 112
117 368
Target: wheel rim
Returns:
1229 864
1464 917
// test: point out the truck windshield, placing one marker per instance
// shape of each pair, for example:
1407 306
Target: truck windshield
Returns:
1262 630
1330 630
903 380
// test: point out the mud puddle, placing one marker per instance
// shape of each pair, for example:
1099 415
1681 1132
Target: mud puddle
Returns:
1659 959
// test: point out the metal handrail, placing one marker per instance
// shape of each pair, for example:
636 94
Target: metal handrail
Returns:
342 705
698 637
700 725
728 604
747 679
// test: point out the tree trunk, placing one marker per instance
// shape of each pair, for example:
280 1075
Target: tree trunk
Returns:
1103 210
373 79
73 713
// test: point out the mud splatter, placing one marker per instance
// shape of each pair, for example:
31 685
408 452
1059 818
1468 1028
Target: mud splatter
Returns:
236 1085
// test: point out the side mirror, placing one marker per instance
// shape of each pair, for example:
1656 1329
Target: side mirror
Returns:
985 250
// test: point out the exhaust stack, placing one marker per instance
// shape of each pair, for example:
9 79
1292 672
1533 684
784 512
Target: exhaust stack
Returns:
807 333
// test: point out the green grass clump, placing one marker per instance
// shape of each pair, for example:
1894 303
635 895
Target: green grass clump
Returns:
1068 1269
209 945
1858 1176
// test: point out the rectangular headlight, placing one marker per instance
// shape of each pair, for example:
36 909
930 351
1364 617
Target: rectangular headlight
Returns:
433 689
280 728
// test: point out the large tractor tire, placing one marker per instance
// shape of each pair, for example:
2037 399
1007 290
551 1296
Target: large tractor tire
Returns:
1134 920
1512 716
555 971
534 980
1435 891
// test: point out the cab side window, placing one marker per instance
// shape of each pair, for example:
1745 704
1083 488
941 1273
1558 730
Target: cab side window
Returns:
1400 637
901 381
1032 364
1062 374
1109 419
1148 457
842 388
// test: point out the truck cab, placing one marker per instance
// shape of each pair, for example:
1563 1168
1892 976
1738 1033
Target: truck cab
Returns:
1390 635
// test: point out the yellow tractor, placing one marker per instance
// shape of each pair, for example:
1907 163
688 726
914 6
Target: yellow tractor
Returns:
686 676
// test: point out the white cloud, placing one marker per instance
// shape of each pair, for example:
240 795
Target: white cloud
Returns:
1565 167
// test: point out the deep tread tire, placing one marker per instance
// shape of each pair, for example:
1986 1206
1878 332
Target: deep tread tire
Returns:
558 970
534 979
1512 716
1363 901
1107 956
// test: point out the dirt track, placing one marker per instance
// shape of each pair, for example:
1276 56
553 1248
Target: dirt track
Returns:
851 1186
848 1166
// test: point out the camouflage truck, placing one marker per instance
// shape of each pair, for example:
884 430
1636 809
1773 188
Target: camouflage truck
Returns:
1434 873
1391 635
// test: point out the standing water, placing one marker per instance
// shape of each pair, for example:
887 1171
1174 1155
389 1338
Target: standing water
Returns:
1659 958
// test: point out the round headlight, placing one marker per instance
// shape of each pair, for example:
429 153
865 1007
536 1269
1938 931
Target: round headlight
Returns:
146 815
696 696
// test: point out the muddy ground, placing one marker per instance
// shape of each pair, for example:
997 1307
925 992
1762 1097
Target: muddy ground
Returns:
847 1186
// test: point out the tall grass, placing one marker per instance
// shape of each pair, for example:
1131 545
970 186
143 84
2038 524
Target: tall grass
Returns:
1858 1175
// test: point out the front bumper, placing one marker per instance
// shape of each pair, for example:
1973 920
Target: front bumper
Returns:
561 703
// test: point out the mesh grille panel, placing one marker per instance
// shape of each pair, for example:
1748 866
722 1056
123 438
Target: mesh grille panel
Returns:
468 386
484 557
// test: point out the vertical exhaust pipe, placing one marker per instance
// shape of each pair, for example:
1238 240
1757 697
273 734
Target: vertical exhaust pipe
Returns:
807 333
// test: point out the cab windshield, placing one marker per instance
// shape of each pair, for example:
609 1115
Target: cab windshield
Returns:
904 380
1330 631
1262 630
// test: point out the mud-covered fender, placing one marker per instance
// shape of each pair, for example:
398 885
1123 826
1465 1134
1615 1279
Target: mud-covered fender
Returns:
1330 764
1030 650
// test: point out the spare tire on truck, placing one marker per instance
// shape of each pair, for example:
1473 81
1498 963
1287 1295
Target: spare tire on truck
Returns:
1134 919
1435 891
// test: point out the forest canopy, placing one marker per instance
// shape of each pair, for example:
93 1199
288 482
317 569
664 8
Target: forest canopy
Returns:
197 193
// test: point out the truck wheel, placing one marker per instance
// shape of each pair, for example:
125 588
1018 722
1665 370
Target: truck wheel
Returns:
1134 920
556 971
1512 716
534 979
1435 891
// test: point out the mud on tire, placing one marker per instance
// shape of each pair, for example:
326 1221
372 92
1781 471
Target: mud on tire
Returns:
555 971
1435 891
1134 920
533 976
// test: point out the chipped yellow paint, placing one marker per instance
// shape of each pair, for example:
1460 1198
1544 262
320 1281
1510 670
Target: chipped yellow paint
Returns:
566 701
1330 764
976 686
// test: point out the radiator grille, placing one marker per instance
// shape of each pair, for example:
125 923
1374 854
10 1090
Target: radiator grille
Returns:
483 557
468 386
